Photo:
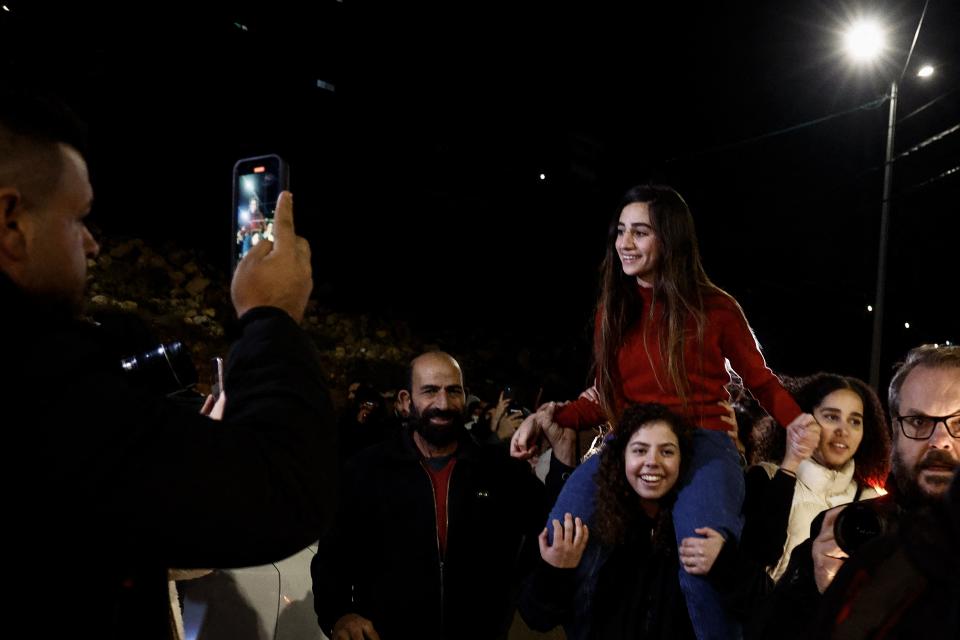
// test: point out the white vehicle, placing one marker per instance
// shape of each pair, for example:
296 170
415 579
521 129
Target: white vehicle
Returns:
270 602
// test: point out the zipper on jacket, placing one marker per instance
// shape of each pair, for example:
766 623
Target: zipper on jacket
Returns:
446 509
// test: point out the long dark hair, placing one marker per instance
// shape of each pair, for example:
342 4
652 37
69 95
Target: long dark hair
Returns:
680 282
618 505
872 457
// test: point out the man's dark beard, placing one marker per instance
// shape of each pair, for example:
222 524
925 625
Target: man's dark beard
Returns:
438 435
908 480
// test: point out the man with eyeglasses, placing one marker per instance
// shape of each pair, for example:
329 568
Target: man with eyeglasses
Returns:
903 582
925 415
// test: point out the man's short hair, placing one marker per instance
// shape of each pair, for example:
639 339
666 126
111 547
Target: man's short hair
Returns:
41 118
32 125
932 356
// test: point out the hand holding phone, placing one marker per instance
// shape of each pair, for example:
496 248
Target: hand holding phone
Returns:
216 377
275 274
257 183
216 402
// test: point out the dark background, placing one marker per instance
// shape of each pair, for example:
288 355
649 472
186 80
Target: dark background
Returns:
417 178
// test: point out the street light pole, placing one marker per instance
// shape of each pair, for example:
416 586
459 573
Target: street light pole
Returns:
882 251
865 41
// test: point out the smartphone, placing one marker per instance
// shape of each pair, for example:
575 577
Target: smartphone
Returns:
216 377
509 394
257 183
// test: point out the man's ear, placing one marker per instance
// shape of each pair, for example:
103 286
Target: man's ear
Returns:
403 397
13 241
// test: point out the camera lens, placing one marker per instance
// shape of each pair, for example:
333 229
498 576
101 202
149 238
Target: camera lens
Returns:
163 353
856 525
166 368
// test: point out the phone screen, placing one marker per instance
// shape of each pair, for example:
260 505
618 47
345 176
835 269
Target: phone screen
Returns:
216 376
257 183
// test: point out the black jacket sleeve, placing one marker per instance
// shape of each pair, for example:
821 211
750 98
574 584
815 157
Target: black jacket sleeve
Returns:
333 570
251 489
791 610
766 511
742 582
547 599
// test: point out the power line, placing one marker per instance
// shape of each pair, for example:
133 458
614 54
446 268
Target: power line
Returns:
929 104
916 35
873 104
940 136
936 178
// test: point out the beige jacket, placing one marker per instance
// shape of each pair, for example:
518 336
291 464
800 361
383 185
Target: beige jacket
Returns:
817 489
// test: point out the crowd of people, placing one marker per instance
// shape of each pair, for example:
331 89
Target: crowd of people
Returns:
791 508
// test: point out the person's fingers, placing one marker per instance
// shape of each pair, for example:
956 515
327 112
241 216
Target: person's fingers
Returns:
219 406
303 248
519 449
515 442
543 541
568 528
577 531
283 231
557 532
207 405
258 251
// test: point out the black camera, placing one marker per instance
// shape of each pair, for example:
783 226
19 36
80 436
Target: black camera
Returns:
166 368
861 522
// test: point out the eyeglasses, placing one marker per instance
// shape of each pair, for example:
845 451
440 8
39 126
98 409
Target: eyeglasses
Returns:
922 427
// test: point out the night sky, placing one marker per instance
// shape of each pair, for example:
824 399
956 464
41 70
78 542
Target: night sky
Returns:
417 179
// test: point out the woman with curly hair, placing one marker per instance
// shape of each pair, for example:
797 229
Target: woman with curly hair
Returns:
839 460
620 580
665 333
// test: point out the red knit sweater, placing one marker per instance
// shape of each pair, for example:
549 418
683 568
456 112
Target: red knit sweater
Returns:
726 337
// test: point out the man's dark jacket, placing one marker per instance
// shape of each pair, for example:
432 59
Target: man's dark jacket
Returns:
108 486
382 561
902 584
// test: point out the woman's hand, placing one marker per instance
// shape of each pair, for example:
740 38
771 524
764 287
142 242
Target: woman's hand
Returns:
563 441
569 541
733 432
803 437
499 412
508 424
523 444
697 555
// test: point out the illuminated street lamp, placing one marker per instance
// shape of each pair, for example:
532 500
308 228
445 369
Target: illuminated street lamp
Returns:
865 42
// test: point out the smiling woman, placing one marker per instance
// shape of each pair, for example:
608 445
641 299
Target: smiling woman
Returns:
666 334
621 580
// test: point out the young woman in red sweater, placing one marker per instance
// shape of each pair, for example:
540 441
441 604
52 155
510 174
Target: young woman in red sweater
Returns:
664 334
